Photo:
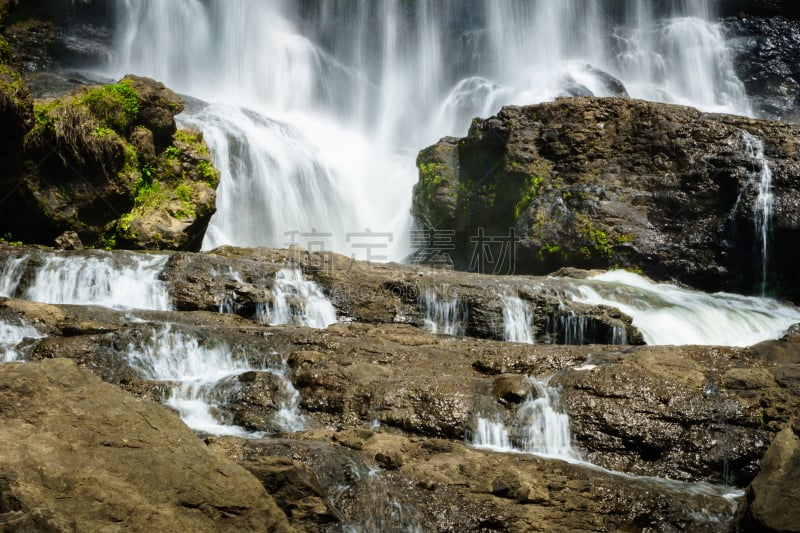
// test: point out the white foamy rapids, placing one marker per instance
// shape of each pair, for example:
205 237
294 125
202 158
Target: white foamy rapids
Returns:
10 337
11 275
297 301
517 320
537 428
352 89
443 315
668 315
123 282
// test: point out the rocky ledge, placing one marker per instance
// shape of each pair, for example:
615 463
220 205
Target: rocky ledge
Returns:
377 424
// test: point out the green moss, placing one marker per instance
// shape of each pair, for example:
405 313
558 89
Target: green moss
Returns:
124 227
115 105
106 241
172 153
208 173
5 51
8 239
596 240
530 192
432 174
192 138
548 250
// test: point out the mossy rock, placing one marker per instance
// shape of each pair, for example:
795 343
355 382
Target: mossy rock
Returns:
108 163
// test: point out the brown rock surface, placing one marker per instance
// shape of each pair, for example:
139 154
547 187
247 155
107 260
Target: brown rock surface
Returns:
81 455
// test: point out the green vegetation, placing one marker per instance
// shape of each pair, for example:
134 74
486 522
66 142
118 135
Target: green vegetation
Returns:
530 192
597 244
116 106
8 239
194 139
548 250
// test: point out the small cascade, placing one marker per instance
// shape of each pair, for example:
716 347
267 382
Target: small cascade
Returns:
11 275
518 320
193 371
669 315
120 281
762 209
619 335
289 418
11 335
569 329
537 427
297 301
443 315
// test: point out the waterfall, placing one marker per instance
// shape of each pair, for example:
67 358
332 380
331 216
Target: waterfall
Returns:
443 315
517 320
192 370
666 314
120 281
537 427
11 275
762 208
10 337
296 301
318 109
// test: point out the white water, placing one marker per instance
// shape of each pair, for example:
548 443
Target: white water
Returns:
668 315
443 314
320 108
762 209
537 428
193 370
127 281
518 320
10 337
298 302
11 275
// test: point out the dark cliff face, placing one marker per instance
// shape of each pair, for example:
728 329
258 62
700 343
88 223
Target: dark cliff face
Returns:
767 56
600 183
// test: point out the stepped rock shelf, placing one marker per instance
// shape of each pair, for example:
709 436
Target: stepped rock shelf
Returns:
663 437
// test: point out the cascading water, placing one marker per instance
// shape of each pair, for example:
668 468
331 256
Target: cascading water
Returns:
762 208
517 320
537 428
298 302
192 370
11 275
122 281
10 337
666 314
319 108
443 314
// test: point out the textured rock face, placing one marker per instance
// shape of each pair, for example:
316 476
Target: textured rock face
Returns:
599 182
108 163
443 486
81 455
771 501
766 58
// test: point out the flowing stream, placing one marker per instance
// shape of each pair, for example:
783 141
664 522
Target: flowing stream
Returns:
318 109
669 315
762 183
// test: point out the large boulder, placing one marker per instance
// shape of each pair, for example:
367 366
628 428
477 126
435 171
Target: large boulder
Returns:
597 183
80 455
108 163
771 502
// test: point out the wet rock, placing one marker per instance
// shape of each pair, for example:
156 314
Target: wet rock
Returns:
593 183
69 240
674 415
771 501
80 454
512 388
